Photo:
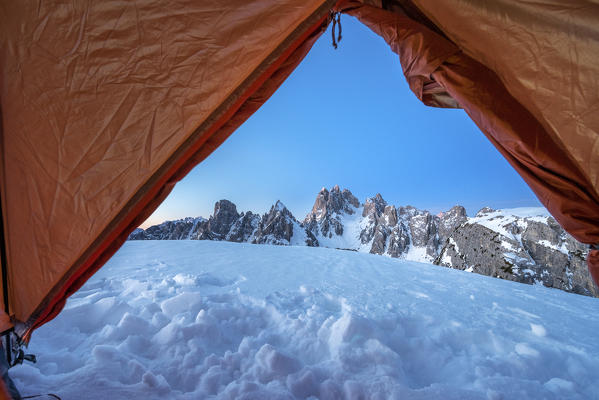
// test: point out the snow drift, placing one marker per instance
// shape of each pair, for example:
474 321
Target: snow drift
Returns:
205 319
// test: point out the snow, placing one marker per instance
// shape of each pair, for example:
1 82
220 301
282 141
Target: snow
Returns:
526 212
446 259
299 236
561 249
221 320
279 206
350 239
498 220
196 221
538 330
418 254
521 212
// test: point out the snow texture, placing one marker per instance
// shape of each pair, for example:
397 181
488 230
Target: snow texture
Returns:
219 320
497 220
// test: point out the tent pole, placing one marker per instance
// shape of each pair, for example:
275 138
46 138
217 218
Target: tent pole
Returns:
3 260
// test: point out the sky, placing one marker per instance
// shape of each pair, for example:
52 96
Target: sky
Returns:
347 117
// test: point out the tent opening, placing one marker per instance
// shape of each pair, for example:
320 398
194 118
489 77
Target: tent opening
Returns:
105 108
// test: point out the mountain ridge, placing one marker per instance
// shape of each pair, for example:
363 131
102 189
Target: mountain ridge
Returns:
524 245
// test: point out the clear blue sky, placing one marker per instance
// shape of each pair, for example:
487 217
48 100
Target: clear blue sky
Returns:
347 117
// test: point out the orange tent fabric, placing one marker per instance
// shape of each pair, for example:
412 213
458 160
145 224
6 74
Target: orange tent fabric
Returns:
563 180
547 58
106 105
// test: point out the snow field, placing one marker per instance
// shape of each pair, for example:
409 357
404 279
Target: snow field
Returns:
497 220
201 319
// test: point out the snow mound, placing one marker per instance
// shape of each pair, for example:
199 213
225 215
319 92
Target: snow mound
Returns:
201 319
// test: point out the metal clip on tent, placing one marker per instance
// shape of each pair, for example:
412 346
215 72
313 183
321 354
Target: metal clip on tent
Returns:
14 350
21 356
336 17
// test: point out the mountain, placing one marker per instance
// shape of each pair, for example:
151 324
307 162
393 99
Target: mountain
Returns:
170 230
278 226
523 245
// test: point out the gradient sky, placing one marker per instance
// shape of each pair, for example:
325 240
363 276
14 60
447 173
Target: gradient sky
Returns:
347 117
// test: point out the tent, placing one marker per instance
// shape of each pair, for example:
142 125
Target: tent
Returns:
106 105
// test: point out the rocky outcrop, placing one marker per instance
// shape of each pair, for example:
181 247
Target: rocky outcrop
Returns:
525 246
449 221
276 227
424 232
399 240
324 219
170 230
224 216
244 228
476 248
375 230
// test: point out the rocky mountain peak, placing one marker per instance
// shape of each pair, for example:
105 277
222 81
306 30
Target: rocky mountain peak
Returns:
244 228
390 215
225 214
329 207
279 209
374 206
406 212
454 212
319 210
276 226
450 220
279 226
524 245
350 199
224 206
333 202
484 211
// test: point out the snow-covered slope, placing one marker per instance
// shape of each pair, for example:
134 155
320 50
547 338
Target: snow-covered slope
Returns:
204 319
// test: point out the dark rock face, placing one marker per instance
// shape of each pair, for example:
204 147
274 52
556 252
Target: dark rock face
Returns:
380 239
390 216
276 227
527 249
311 240
478 249
522 249
225 215
170 230
244 228
374 206
392 231
449 221
484 211
399 241
138 234
328 207
424 232
374 230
